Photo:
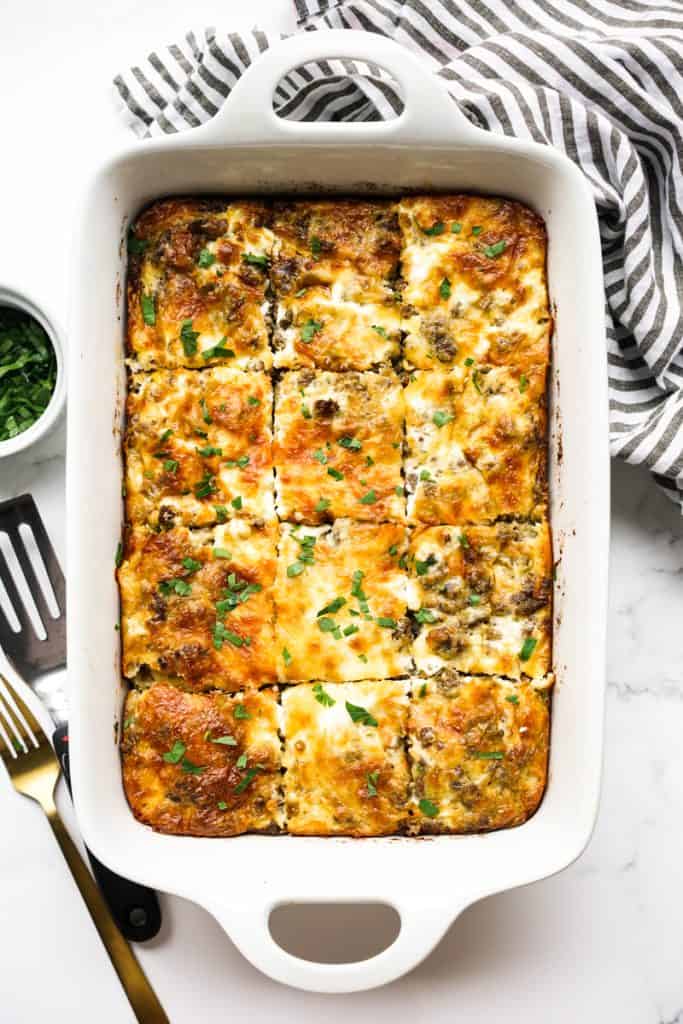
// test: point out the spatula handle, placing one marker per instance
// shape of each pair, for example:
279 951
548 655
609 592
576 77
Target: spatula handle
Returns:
135 908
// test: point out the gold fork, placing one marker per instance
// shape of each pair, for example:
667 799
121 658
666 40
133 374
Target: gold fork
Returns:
34 770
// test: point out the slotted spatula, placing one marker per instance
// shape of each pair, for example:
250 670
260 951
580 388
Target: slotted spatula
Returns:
134 907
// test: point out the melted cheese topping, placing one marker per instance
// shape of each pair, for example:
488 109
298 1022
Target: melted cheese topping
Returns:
334 276
345 777
338 446
202 764
479 753
475 282
476 444
355 566
219 632
200 274
486 598
195 444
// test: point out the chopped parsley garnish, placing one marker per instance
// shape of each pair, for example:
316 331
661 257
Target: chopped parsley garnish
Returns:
322 696
425 474
174 755
222 806
428 808
476 380
352 443
302 291
118 557
286 656
512 698
477 229
400 491
316 246
422 568
206 259
306 557
237 503
295 569
333 606
523 383
240 463
165 436
206 416
380 330
436 229
225 741
423 691
206 486
441 418
360 715
241 761
241 712
456 227
334 473
469 361
495 250
321 505
149 313
180 587
221 513
255 261
425 615
488 755
371 780
369 498
136 246
221 634
319 456
386 622
528 648
350 630
248 778
188 338
171 465
445 289
310 329
463 540
189 768
369 461
222 553
191 564
218 350
252 400
305 411
208 451
474 600
363 658
327 625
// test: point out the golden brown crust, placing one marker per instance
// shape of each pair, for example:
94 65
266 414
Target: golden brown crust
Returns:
202 764
338 446
476 442
345 777
475 282
334 276
198 447
479 752
200 267
170 608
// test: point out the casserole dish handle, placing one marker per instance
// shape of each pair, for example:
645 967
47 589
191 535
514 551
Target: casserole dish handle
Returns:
422 926
247 116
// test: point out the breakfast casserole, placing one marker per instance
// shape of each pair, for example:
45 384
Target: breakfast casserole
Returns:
336 565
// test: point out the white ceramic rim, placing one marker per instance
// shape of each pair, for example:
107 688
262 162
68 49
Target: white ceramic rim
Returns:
48 418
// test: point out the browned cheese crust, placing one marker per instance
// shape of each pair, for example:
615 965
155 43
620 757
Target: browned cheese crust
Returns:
202 764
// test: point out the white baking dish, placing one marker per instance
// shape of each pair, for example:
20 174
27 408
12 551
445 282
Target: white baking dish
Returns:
247 150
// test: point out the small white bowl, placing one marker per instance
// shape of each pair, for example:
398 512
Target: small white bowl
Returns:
46 421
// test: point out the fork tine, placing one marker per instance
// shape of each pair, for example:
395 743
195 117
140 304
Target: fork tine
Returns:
11 734
18 715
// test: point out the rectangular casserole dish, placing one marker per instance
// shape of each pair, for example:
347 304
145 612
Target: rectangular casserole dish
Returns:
247 150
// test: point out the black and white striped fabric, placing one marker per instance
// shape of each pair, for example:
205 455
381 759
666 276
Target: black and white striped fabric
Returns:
600 79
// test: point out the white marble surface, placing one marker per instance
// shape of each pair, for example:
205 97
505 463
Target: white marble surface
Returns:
600 942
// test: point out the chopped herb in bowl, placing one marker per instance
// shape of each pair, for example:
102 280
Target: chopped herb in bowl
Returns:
28 371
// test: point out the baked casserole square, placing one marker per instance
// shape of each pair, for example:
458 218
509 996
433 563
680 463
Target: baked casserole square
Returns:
345 765
198 285
474 272
482 598
198 447
476 444
335 282
338 441
202 764
340 599
478 751
197 607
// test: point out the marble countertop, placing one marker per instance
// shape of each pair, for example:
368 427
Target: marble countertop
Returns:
601 941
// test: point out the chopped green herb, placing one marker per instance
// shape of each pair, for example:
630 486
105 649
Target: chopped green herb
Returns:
174 755
206 416
171 466
380 330
523 383
363 658
488 755
206 486
180 587
469 361
222 553
322 696
474 600
528 648
149 313
423 691
241 712
295 569
333 606
352 443
445 289
350 630
136 246
255 261
441 418
208 451
360 715
241 761
428 808
463 540
240 463
393 550
327 625
477 229
302 291
321 505
371 780
252 400
189 768
218 350
225 741
310 329
400 491
456 227
165 436
222 806
319 456
287 657
512 699
188 338
316 246
221 513
206 259
305 411
368 499
248 778
436 229
425 615
237 503
386 622
221 634
495 250
422 568
335 473
191 564
476 381
425 474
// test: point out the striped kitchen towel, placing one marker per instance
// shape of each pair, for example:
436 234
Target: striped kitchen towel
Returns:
600 79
